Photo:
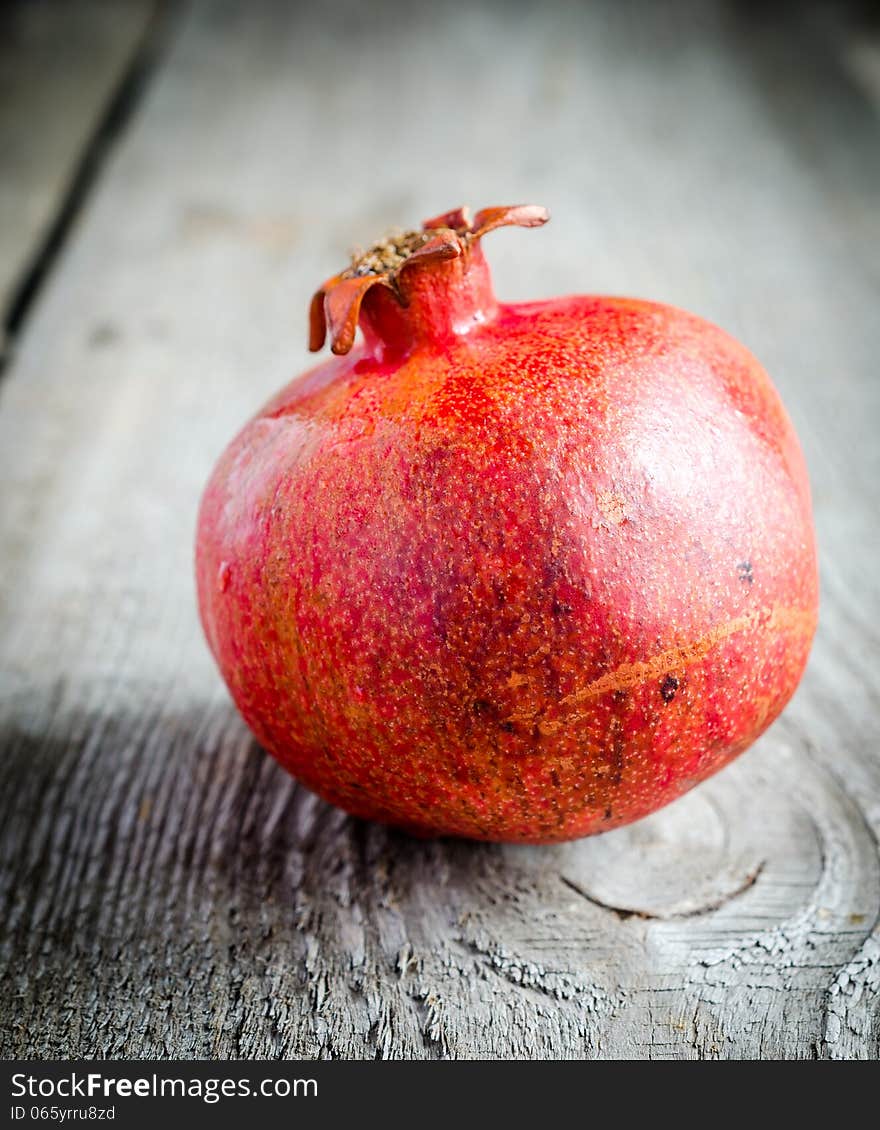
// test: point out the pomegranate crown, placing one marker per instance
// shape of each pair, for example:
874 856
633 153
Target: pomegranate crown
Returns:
336 305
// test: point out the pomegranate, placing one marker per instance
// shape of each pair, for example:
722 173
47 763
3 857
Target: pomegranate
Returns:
514 572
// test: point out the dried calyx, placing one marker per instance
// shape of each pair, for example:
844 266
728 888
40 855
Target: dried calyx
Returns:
336 305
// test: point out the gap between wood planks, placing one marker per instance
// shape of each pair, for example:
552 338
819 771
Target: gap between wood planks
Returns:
112 122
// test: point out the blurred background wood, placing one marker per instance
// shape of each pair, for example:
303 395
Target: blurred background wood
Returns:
60 66
166 889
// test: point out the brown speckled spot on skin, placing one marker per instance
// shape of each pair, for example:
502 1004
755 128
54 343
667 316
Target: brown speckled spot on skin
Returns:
612 506
801 621
668 688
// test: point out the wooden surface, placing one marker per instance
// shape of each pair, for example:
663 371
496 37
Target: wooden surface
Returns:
166 889
60 65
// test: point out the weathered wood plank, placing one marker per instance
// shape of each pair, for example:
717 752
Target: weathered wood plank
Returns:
60 65
166 889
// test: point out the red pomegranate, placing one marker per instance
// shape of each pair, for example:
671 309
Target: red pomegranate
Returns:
514 572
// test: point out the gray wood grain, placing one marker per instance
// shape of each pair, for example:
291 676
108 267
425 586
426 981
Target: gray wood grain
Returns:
60 65
166 889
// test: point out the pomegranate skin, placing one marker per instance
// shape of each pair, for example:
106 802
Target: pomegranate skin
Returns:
525 575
